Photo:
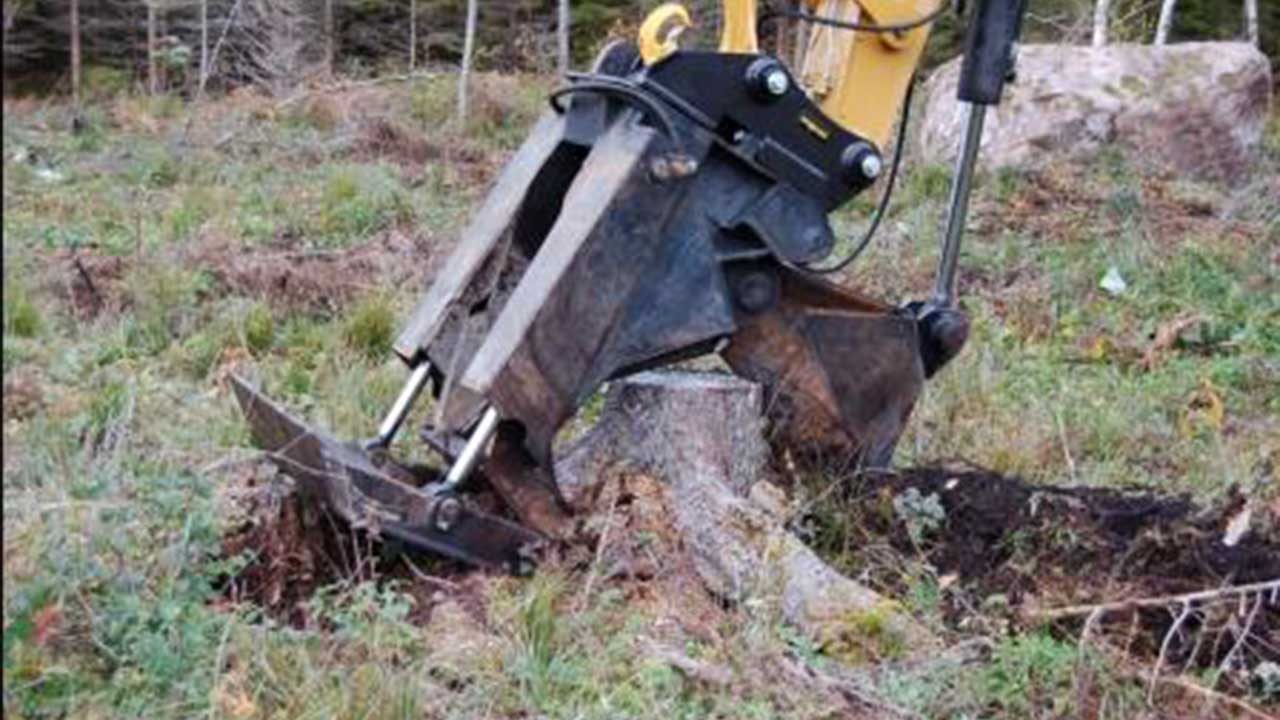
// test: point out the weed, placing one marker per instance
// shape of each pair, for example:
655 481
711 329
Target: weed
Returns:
259 328
922 515
370 325
359 200
21 316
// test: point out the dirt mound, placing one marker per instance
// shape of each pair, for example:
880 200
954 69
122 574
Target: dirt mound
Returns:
1003 535
289 277
89 282
381 138
1011 552
292 549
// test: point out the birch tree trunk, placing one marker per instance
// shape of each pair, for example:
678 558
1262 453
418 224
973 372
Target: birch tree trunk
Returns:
1165 22
1100 12
562 36
468 46
798 59
204 44
75 55
153 71
413 34
330 42
1251 21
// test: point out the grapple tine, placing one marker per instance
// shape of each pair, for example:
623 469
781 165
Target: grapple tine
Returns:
344 479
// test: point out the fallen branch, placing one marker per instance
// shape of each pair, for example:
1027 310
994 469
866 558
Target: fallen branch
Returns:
1128 669
1230 591
717 675
88 282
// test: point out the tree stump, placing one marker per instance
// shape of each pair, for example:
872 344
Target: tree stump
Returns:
702 436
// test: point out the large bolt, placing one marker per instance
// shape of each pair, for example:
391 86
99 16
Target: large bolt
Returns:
447 513
776 82
871 166
862 163
767 80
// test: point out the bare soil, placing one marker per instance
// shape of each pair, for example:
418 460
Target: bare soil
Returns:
1009 549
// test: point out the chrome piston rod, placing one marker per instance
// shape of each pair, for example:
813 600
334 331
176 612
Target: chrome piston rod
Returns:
470 454
944 289
400 408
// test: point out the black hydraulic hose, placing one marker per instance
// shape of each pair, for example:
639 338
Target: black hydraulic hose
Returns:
900 27
883 205
616 87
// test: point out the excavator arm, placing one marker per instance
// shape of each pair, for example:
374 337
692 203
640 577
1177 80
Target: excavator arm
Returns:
672 203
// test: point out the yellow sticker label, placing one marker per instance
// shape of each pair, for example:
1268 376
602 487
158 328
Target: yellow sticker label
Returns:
812 126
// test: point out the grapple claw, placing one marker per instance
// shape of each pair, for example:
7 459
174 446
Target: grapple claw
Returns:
345 480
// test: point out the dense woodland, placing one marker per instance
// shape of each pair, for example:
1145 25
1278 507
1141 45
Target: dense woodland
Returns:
172 45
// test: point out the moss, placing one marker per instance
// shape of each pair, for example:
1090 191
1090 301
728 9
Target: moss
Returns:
864 636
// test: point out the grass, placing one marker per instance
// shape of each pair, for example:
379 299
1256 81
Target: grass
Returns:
119 483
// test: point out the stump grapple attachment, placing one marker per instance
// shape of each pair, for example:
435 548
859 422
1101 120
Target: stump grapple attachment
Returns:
671 204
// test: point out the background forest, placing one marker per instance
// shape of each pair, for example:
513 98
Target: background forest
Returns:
169 45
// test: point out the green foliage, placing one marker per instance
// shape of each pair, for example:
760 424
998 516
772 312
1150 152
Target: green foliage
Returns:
359 200
921 514
21 316
259 328
1030 676
370 325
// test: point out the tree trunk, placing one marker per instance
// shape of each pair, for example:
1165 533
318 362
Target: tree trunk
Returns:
798 59
330 41
413 34
562 36
153 69
204 45
1251 21
75 55
1165 22
702 436
1100 12
468 46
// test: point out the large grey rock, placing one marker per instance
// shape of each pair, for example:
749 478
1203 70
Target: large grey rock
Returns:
1197 108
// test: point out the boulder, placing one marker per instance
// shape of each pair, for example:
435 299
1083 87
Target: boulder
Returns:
1194 108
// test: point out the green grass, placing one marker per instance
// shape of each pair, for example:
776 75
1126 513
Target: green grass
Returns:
119 486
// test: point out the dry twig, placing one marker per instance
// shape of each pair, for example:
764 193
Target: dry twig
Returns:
1270 587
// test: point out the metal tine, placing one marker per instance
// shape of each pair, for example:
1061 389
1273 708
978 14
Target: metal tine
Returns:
470 454
400 408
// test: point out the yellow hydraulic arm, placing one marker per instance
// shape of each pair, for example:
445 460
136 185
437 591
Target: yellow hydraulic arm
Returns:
857 77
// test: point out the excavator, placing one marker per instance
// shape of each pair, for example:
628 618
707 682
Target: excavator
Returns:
672 202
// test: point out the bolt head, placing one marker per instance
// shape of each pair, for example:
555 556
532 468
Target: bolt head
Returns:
447 513
871 166
776 82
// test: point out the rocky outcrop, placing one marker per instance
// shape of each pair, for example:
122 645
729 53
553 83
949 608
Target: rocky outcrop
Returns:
1195 108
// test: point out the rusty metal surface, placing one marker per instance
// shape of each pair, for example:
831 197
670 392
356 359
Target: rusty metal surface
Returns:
841 372
486 228
344 479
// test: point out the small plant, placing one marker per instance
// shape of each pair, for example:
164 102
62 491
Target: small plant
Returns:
21 316
259 328
1031 676
359 200
922 514
369 327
